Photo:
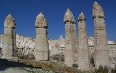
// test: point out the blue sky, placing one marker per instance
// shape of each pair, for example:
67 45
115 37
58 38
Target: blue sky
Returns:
25 12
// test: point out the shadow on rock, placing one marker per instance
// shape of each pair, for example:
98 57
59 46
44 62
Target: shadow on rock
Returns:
4 64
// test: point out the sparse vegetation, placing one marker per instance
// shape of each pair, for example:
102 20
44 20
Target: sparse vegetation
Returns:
57 57
101 70
54 67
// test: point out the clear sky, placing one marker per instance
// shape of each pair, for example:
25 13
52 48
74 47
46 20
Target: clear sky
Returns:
25 12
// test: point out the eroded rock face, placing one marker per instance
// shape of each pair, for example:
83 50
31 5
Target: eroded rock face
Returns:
41 51
68 17
101 54
83 60
40 21
97 10
9 21
70 38
9 39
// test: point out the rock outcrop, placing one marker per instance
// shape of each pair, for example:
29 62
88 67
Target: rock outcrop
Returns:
70 38
9 38
41 51
101 54
83 60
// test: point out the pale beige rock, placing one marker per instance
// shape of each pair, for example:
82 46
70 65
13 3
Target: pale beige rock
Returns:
97 10
70 38
41 51
101 46
83 60
9 37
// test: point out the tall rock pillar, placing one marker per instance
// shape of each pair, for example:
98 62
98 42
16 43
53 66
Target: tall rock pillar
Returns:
41 51
83 49
101 45
70 37
9 39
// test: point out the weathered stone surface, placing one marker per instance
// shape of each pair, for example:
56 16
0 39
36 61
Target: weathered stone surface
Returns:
97 10
101 47
83 60
40 21
41 51
70 38
9 39
9 22
68 17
